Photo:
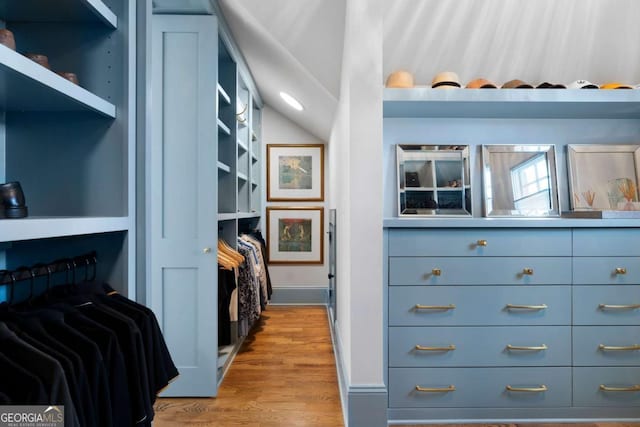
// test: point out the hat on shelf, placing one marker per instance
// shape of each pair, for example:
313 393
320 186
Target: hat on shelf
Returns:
446 80
582 84
615 85
481 83
547 85
7 39
516 84
38 58
400 79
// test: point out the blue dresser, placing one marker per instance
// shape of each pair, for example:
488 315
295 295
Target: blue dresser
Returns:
499 323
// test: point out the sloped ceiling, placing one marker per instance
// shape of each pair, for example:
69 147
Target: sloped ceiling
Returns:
296 47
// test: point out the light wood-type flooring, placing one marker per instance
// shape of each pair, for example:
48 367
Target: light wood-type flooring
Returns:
284 375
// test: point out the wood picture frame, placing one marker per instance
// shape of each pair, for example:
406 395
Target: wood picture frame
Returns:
295 235
295 172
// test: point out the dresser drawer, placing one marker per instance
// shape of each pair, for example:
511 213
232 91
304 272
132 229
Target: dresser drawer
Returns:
479 387
480 242
606 242
409 271
606 346
606 270
479 305
606 305
606 386
480 346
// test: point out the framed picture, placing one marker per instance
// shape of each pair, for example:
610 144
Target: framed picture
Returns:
604 177
295 235
295 173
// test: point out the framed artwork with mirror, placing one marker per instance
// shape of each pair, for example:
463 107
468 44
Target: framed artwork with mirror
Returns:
604 177
520 181
433 180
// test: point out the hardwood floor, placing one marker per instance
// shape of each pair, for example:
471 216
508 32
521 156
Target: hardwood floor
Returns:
284 375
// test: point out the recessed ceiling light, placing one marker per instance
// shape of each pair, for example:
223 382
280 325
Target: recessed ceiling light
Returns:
294 103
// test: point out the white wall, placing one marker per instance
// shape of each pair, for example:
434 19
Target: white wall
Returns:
356 149
277 129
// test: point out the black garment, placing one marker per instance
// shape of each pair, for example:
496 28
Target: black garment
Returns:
73 370
20 386
53 323
4 399
44 367
114 364
226 285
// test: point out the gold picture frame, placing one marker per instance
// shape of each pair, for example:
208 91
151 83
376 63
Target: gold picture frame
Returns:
295 172
295 235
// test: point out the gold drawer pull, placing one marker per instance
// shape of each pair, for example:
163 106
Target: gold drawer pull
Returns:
633 347
436 389
482 242
527 271
526 307
434 307
450 347
635 387
525 348
528 389
618 307
436 271
621 270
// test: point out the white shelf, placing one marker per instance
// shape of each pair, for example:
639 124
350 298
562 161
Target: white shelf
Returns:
47 227
512 103
57 11
242 177
242 146
223 167
226 216
28 86
223 95
223 128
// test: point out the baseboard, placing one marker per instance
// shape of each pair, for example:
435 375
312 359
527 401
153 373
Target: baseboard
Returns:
341 373
299 296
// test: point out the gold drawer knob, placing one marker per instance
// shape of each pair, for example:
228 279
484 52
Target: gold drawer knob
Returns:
436 271
434 307
482 242
527 271
633 347
539 389
450 347
618 306
621 270
526 307
435 389
635 387
527 348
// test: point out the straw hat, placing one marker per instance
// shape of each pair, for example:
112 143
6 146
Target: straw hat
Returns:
516 84
615 85
446 80
400 79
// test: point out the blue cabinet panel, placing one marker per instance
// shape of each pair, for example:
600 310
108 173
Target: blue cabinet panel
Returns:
607 387
480 242
480 346
606 305
406 271
479 387
606 241
606 270
479 305
606 346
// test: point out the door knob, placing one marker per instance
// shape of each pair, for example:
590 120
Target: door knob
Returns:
206 250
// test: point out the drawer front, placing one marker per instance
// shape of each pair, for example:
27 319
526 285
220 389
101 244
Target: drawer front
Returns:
587 384
479 305
408 271
606 270
606 346
480 346
480 242
479 387
606 242
606 305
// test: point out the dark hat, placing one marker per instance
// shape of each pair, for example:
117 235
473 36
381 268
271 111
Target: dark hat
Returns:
481 83
547 85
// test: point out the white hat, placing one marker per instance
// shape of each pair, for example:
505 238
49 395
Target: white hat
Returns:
582 84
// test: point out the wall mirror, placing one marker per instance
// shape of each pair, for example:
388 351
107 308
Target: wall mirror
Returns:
520 180
433 180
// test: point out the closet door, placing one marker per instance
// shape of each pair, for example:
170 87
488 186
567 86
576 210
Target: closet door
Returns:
182 197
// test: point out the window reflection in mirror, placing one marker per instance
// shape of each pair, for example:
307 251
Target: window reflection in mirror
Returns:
520 180
433 180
